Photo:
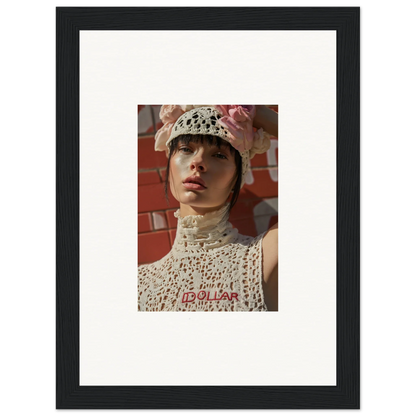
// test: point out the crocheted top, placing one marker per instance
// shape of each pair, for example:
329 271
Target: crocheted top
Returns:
211 267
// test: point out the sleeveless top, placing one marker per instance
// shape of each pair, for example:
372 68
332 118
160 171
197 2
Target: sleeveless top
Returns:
211 267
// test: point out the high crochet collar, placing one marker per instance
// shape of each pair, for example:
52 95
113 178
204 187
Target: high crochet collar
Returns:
203 232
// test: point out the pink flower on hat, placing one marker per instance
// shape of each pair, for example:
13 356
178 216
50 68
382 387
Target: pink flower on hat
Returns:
238 120
168 114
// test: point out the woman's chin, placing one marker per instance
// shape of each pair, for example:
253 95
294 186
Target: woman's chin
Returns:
202 203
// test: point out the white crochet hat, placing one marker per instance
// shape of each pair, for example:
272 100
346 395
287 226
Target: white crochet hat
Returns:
232 123
202 120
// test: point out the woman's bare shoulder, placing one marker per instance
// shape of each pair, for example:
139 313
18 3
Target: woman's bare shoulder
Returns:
270 243
270 252
270 267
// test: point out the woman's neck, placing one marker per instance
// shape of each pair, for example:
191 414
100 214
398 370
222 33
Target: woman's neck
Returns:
186 210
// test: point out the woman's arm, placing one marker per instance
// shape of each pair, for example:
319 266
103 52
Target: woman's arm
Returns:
266 119
270 269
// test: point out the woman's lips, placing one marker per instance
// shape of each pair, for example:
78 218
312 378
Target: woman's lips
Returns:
194 183
194 186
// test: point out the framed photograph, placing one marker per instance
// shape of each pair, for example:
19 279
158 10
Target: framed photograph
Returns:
116 67
181 226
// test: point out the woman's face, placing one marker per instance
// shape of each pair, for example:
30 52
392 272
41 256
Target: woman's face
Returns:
214 166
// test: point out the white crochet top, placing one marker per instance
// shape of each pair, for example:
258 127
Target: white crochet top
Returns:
211 267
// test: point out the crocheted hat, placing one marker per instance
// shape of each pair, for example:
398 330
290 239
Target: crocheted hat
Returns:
232 123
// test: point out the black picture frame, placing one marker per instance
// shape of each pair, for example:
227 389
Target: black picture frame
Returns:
346 22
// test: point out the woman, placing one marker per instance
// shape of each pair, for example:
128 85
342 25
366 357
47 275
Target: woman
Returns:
211 267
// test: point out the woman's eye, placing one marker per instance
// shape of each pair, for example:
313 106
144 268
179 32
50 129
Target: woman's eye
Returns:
185 149
220 156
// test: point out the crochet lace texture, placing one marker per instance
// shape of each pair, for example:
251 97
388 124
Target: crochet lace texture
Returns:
211 267
200 121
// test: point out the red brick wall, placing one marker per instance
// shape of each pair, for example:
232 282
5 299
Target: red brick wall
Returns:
254 212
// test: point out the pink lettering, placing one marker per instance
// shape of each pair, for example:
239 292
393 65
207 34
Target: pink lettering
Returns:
185 297
225 295
209 294
202 294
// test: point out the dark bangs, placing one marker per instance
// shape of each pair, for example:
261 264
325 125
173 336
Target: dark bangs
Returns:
200 138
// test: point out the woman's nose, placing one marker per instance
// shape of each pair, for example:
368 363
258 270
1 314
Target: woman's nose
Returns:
198 163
